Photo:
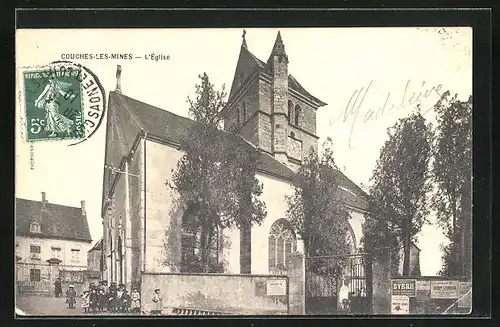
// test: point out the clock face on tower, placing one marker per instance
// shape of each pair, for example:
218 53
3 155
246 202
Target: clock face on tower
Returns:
294 148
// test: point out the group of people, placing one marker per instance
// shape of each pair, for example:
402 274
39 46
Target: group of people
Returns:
100 298
112 299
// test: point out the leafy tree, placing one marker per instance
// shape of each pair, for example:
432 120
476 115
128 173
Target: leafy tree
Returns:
208 104
399 186
216 174
316 208
452 173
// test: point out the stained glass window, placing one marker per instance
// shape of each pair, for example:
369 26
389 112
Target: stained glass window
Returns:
282 243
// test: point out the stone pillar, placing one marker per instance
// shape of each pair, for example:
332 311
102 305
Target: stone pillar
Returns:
296 285
381 281
54 273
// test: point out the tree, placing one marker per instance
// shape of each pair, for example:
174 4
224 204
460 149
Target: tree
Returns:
316 208
399 186
208 104
216 175
452 173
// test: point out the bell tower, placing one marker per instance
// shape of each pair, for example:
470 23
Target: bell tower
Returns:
269 108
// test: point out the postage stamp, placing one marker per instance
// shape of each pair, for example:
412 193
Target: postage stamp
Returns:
61 100
53 104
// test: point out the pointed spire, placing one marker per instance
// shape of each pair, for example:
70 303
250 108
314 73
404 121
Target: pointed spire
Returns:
279 47
244 44
118 79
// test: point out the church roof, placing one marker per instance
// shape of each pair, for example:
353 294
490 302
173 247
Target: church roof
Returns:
127 117
59 222
255 64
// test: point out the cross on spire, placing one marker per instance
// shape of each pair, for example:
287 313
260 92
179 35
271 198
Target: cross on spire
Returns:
244 40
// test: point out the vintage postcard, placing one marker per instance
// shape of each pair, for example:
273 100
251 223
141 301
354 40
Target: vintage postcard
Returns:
258 171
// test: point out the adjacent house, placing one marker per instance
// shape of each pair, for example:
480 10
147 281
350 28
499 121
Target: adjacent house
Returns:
94 262
47 230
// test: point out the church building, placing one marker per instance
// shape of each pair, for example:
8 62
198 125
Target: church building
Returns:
145 225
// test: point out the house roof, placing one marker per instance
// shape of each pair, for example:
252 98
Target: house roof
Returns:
58 221
97 246
127 117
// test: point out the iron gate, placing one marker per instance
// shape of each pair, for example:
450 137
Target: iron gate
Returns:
325 278
33 278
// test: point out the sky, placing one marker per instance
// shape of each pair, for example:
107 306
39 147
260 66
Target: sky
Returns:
390 66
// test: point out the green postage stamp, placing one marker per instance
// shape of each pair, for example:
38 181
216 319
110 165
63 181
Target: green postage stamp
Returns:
53 104
60 101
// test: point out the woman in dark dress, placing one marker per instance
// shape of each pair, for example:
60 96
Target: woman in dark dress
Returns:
57 287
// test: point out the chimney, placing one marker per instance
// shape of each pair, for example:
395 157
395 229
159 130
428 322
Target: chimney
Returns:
118 79
44 201
84 212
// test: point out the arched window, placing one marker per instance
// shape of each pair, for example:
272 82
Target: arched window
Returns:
198 240
298 111
290 111
351 239
244 111
282 243
120 259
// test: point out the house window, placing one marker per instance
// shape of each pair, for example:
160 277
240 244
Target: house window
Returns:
56 252
282 243
290 111
35 275
35 249
200 245
298 111
75 255
35 227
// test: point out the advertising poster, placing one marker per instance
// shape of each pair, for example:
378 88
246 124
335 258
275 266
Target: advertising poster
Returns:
423 288
276 287
444 289
465 300
403 287
400 305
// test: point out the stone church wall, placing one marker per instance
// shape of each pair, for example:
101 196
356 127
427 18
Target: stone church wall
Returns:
161 206
136 215
273 195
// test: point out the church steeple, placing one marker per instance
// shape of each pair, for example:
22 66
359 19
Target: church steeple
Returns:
279 47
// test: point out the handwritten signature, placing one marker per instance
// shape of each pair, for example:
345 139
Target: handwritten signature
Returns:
354 106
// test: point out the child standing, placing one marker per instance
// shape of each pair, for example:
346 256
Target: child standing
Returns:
70 296
125 301
85 301
94 299
135 305
101 300
157 302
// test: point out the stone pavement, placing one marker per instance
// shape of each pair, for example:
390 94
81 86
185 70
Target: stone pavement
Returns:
52 306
